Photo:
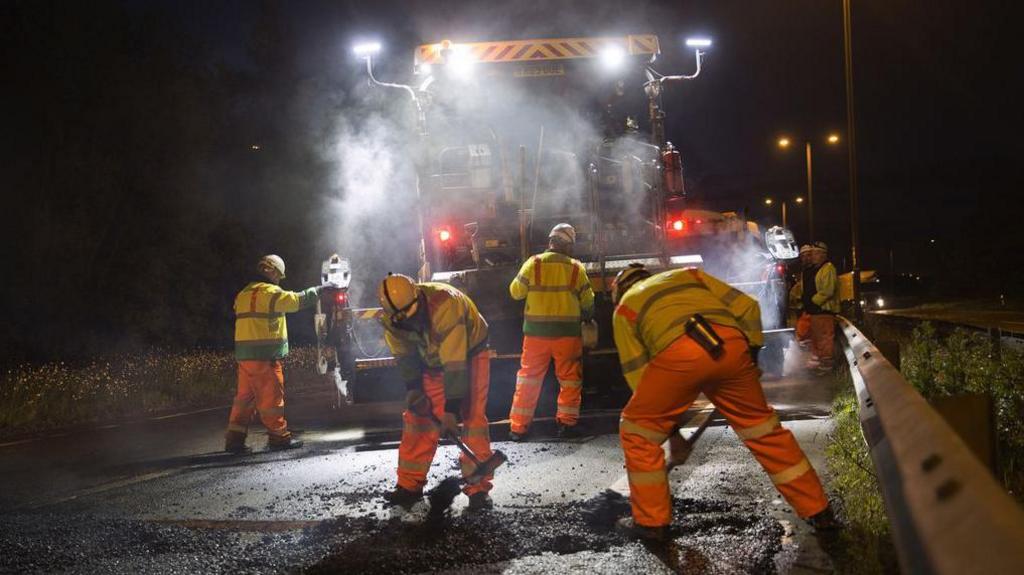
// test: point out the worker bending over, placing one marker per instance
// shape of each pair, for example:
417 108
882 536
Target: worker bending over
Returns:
558 297
440 341
680 333
261 342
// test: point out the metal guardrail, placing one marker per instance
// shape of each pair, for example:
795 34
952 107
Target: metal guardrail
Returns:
947 513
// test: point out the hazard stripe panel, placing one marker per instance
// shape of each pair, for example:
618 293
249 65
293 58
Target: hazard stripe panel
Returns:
541 49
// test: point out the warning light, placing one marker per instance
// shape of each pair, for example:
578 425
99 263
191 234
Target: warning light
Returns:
698 222
678 225
341 298
444 235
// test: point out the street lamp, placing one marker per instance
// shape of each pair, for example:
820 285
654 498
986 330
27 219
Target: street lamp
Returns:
784 143
769 202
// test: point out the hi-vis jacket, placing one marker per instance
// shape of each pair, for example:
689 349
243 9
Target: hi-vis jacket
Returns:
826 294
653 314
456 331
261 331
558 295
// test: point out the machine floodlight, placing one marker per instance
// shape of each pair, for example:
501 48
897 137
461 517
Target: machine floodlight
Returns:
698 42
612 57
366 49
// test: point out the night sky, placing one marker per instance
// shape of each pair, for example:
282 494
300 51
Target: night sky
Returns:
135 205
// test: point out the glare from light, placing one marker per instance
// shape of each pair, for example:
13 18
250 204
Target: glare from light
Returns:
255 147
880 302
767 201
366 49
444 235
677 225
833 138
784 142
698 42
343 435
425 68
799 200
612 57
460 61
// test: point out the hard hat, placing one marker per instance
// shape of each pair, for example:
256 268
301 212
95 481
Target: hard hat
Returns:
626 278
805 248
820 246
399 296
271 262
563 232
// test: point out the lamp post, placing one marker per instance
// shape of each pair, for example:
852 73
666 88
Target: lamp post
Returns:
769 201
784 143
852 157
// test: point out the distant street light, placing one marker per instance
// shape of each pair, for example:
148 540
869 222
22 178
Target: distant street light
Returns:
770 201
784 143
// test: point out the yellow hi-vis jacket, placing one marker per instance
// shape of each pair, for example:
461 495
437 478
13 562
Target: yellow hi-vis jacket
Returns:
456 331
557 292
261 331
826 286
653 314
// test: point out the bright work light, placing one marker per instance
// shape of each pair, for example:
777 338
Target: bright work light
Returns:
698 42
366 49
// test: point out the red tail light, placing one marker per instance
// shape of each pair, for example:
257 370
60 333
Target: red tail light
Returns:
781 269
677 226
444 234
341 298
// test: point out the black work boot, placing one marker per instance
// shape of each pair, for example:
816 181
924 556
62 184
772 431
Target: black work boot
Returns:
628 527
825 520
480 501
569 431
234 442
280 443
518 437
403 498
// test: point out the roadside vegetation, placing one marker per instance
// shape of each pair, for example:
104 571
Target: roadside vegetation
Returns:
966 362
123 387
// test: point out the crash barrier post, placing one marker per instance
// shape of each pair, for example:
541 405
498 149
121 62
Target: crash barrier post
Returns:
947 512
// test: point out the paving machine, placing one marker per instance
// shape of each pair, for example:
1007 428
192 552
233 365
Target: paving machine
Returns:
515 136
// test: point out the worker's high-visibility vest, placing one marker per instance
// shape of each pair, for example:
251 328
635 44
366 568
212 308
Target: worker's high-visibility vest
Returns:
557 292
653 314
261 331
455 332
826 286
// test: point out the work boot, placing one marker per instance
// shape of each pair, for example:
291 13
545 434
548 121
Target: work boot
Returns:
518 437
825 520
278 443
234 442
404 498
569 431
480 501
628 527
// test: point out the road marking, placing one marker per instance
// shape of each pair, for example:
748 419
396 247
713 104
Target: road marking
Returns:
257 526
694 427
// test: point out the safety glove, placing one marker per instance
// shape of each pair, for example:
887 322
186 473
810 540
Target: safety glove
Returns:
449 424
418 403
679 450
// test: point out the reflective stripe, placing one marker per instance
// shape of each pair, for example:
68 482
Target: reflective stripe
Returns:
238 428
413 465
647 477
536 270
663 293
731 296
551 288
261 341
420 428
527 381
656 437
522 411
482 431
572 384
455 365
244 402
272 411
257 315
759 430
467 466
792 473
273 301
544 318
568 409
523 280
635 363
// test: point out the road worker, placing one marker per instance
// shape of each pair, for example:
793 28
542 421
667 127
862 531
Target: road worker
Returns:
803 320
261 342
440 341
558 297
681 333
820 299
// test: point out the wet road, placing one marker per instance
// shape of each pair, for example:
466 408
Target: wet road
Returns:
158 497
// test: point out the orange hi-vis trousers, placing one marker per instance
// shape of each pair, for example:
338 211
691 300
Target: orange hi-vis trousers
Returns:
670 383
537 354
823 333
803 327
420 434
260 389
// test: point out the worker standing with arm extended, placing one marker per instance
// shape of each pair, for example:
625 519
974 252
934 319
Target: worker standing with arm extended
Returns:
261 342
803 320
821 302
440 342
558 297
680 333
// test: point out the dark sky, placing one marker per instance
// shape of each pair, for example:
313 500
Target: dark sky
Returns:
131 187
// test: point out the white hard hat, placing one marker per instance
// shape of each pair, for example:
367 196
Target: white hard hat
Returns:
399 296
820 246
271 262
563 232
626 278
805 248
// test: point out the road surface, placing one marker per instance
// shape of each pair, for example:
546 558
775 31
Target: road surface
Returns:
160 497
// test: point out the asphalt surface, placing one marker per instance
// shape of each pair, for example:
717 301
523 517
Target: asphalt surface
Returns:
159 497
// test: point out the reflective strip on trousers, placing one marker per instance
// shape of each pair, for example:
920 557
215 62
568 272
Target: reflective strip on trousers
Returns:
522 411
647 477
569 409
759 430
245 403
272 411
792 473
482 431
467 467
527 381
413 466
573 384
655 437
420 428
238 428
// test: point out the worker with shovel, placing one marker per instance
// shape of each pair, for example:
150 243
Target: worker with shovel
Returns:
440 341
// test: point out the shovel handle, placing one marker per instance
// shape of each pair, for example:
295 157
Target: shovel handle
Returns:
456 439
